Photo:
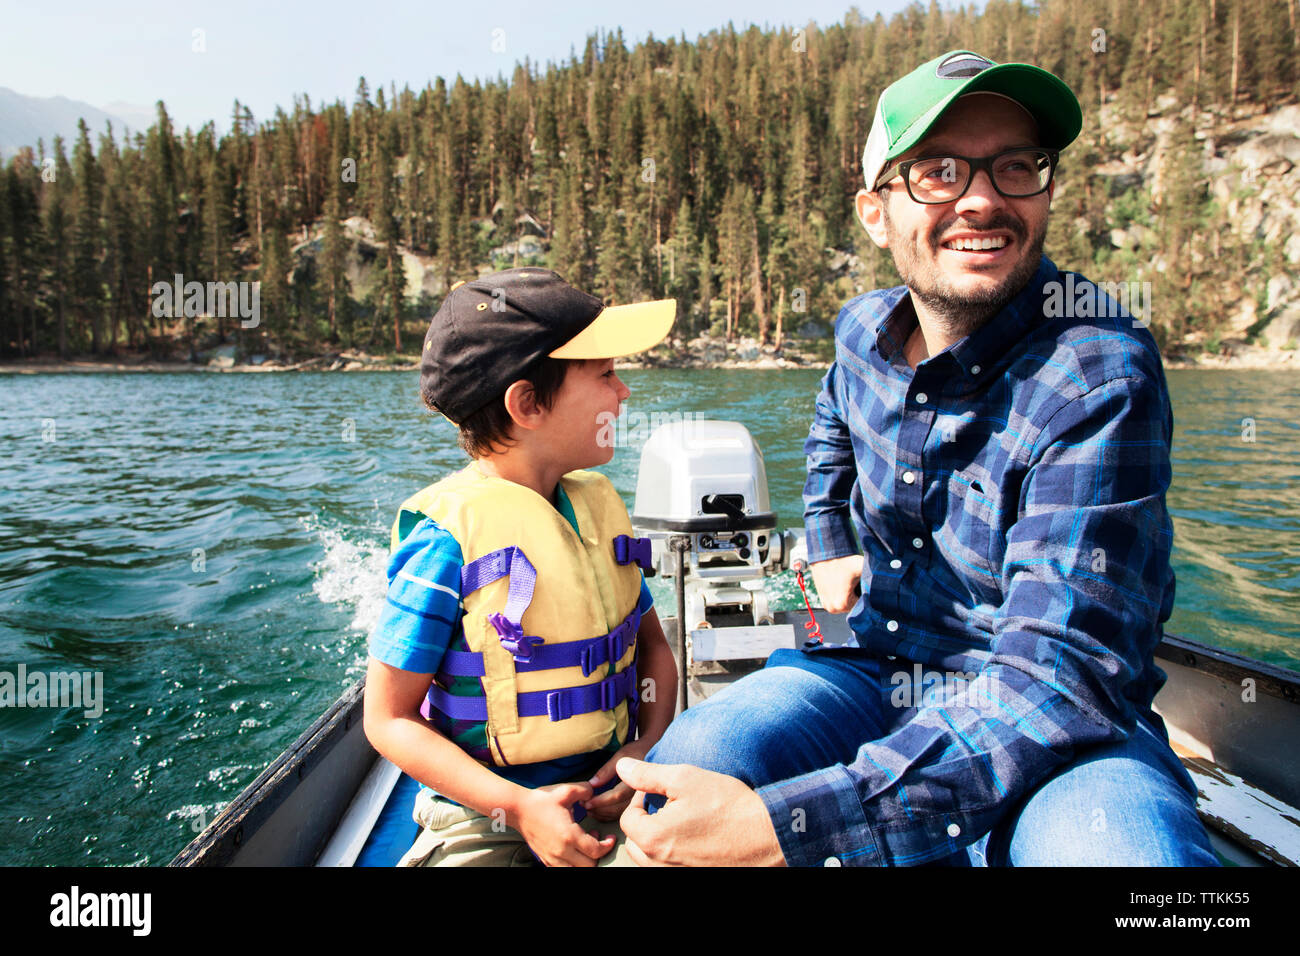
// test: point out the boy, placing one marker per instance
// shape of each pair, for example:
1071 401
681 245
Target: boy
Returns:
512 582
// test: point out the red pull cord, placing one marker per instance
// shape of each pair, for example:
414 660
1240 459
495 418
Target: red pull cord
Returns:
811 626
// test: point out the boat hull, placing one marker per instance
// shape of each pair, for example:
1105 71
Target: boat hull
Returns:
1230 718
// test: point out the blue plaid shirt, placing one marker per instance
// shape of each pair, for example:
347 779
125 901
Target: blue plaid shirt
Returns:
1009 497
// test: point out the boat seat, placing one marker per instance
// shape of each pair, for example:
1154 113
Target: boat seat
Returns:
377 828
394 829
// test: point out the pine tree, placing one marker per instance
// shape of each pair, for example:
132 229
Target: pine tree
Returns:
683 279
708 282
1182 214
5 230
613 262
87 241
26 248
738 254
58 197
570 244
218 203
161 249
276 320
123 269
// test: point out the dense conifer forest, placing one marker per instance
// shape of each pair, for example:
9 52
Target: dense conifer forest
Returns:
717 170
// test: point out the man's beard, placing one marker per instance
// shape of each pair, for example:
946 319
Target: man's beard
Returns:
961 314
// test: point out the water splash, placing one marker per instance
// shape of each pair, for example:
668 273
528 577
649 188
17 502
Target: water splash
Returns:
350 574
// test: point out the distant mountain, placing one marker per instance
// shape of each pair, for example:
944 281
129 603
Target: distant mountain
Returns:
25 119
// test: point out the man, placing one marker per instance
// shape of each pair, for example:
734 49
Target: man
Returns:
1002 456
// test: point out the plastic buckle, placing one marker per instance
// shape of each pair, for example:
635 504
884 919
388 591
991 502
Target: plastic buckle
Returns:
614 643
588 657
513 638
629 550
558 706
609 695
623 636
522 649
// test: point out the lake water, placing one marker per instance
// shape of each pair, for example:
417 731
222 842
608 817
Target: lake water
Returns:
214 546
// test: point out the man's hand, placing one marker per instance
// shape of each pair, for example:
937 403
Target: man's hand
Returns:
710 819
545 819
837 582
610 805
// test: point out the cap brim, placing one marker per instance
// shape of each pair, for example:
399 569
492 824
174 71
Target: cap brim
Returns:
621 330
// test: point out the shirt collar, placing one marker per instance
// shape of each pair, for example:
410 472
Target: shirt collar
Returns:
981 350
890 333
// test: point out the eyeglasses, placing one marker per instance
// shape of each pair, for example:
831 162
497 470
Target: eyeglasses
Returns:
1015 173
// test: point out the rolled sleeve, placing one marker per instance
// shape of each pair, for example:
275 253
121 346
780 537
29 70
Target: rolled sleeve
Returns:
832 472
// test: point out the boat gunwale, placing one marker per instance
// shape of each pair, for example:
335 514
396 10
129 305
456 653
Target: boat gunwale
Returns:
222 838
1269 678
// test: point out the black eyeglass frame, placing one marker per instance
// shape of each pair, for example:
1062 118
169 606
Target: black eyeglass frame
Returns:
976 164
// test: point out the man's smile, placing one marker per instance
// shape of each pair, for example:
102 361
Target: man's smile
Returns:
989 244
976 243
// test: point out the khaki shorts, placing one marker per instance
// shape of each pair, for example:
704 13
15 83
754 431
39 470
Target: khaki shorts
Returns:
453 835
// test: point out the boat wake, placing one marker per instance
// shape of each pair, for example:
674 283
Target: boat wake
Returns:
350 574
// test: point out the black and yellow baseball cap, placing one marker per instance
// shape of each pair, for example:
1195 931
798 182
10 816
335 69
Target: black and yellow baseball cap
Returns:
488 332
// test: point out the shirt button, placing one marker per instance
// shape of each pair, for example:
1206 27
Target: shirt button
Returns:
908 477
896 563
832 861
954 830
891 625
974 369
918 543
922 398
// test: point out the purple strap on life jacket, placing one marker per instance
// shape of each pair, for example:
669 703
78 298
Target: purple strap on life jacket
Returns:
588 654
483 571
557 704
569 701
608 649
531 652
628 550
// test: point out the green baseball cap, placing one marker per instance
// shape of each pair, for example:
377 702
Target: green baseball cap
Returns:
909 107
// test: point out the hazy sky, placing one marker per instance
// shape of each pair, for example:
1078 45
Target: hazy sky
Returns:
264 52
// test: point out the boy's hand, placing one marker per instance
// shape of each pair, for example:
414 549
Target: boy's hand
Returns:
544 818
611 804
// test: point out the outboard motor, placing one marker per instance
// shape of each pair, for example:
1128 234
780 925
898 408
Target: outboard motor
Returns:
702 490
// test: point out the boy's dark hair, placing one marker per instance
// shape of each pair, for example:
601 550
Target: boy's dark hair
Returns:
487 430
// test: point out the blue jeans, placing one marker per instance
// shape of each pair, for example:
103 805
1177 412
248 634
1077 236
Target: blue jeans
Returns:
809 711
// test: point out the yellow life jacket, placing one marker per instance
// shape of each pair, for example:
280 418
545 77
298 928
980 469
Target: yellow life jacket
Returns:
550 617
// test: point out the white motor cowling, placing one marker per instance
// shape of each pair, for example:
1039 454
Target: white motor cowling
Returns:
705 480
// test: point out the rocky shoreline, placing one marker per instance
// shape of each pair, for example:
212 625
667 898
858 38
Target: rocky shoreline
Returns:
698 353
